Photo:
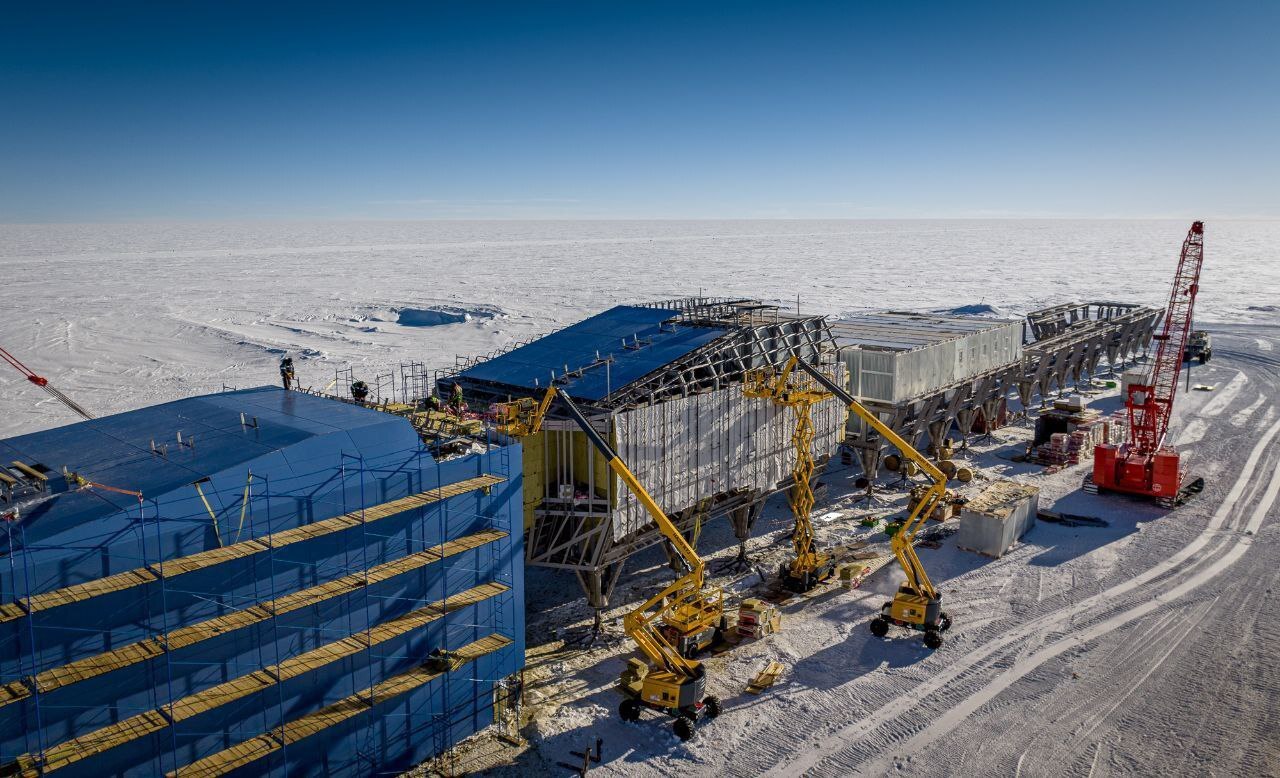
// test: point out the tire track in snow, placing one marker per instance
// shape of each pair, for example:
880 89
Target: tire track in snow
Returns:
1241 417
1220 402
955 715
970 664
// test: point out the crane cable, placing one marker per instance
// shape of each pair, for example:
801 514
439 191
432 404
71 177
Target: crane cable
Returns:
43 383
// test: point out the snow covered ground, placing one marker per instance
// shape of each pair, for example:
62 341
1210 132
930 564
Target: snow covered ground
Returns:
1146 647
121 316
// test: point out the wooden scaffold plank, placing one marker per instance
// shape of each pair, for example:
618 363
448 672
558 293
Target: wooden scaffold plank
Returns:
149 722
204 559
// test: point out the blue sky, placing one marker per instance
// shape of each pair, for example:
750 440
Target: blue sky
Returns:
222 110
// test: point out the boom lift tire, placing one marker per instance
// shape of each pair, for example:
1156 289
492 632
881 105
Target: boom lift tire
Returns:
712 706
683 727
879 627
629 710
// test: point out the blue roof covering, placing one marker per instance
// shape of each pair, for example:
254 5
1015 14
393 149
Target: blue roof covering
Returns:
577 346
116 450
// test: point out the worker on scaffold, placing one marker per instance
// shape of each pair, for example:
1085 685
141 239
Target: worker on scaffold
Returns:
456 403
286 372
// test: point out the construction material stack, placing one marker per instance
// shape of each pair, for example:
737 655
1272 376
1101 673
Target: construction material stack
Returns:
1068 432
994 520
1144 465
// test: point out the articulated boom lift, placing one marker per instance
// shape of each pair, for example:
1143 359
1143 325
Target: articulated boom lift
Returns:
917 605
810 566
672 626
1144 464
670 681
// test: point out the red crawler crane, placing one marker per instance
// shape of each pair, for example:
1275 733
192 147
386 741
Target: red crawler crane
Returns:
43 383
1144 464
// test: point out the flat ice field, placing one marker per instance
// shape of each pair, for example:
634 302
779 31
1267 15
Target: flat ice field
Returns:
1151 646
121 316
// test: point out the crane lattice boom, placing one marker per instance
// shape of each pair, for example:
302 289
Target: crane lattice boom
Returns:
1151 405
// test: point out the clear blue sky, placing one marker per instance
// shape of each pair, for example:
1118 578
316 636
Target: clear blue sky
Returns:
222 110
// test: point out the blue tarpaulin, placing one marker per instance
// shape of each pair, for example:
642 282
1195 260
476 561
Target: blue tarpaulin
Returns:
611 350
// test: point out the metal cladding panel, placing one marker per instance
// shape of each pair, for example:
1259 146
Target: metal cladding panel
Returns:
692 448
596 347
891 371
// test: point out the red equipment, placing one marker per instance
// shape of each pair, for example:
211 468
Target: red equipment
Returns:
1144 464
43 383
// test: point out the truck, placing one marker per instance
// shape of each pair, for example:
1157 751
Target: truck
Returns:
1199 346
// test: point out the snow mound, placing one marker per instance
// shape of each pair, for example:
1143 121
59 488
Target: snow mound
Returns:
436 317
976 309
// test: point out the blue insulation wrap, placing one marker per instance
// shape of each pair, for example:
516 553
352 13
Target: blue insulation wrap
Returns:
78 657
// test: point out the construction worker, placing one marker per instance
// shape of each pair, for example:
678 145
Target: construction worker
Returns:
286 372
359 391
433 403
458 404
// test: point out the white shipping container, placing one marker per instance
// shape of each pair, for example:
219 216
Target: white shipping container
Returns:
892 357
998 517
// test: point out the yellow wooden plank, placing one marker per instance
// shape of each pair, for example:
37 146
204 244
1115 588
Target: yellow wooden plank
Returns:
30 472
100 740
13 691
191 705
204 559
183 637
238 756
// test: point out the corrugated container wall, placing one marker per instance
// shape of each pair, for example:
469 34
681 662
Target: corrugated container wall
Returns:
998 518
894 375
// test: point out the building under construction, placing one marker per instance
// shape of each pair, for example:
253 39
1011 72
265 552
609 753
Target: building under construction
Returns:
926 374
261 582
664 383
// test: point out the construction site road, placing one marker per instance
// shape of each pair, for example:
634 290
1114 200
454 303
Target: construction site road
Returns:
1166 666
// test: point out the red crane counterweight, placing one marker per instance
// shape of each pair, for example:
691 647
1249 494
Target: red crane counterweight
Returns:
1144 464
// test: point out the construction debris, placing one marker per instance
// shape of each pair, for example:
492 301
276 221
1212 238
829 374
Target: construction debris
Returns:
766 677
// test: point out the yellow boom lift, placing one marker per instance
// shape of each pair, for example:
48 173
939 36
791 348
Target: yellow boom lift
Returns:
788 389
917 605
671 627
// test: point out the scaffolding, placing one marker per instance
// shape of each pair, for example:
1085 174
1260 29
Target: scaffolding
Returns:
667 380
312 638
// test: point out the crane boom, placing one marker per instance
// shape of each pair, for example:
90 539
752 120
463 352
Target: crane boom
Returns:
44 384
1150 406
